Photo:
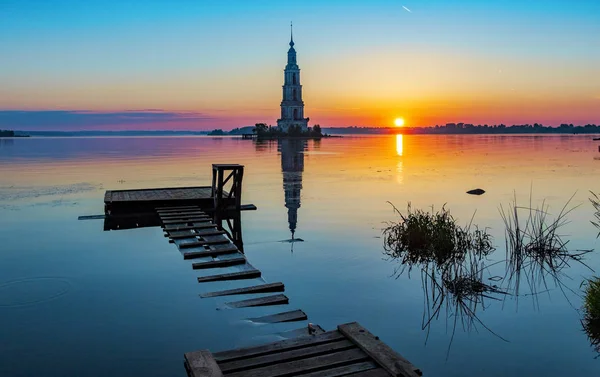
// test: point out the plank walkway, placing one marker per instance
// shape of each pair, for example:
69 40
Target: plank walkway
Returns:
349 350
189 227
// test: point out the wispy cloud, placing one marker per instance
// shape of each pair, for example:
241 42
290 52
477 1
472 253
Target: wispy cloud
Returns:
76 120
406 9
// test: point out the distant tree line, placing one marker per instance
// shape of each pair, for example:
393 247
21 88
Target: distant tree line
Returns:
7 133
468 128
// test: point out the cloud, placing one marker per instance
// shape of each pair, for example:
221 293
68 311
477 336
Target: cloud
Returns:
85 119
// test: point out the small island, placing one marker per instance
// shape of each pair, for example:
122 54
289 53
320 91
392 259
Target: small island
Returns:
10 133
263 131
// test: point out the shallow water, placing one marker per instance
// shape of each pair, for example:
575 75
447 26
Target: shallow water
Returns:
81 301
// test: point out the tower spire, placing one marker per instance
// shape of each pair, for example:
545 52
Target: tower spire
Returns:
291 34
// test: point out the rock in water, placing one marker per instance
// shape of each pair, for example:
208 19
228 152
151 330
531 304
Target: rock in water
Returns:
476 192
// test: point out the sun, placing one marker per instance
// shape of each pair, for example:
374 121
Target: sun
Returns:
399 122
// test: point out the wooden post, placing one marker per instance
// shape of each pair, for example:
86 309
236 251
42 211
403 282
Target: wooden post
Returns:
220 200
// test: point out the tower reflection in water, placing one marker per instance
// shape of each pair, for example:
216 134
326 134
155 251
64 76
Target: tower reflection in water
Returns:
292 166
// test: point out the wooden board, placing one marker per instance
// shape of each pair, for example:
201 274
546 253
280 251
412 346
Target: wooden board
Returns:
168 212
289 344
260 301
188 221
219 263
291 316
201 233
212 252
389 359
202 364
205 240
306 365
263 288
183 215
362 369
198 225
175 208
297 354
249 274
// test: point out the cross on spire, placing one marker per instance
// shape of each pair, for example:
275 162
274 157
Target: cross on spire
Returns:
291 34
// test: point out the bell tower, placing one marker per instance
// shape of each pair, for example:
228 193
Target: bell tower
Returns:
292 106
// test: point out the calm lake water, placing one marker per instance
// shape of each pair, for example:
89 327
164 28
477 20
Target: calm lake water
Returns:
76 300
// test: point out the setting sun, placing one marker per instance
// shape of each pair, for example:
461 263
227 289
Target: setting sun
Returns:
399 122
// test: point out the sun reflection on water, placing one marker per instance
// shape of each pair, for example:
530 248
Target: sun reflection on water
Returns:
399 147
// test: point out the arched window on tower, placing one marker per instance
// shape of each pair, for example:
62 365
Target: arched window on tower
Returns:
294 95
295 113
294 79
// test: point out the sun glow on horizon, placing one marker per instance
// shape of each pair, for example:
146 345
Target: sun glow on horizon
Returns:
399 122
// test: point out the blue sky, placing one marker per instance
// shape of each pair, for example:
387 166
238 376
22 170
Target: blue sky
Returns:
225 58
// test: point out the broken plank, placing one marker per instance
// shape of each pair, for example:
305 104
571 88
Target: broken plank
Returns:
182 215
197 234
249 274
182 210
175 207
198 225
260 301
291 316
286 356
190 220
202 364
263 288
364 369
212 252
306 365
389 359
289 344
206 240
379 372
219 263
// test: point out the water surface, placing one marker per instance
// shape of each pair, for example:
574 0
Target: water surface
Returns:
81 301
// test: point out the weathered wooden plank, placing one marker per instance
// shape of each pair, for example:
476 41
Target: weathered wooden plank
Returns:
260 301
263 288
219 263
288 344
168 212
176 208
379 372
206 240
306 365
286 356
190 220
208 232
356 369
202 364
198 225
212 252
249 274
389 359
182 215
291 316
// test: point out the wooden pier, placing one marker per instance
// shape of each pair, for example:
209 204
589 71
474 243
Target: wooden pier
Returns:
349 350
191 218
216 197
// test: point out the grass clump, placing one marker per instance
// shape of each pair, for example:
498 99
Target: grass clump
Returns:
535 249
421 238
595 200
591 309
